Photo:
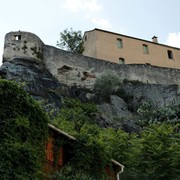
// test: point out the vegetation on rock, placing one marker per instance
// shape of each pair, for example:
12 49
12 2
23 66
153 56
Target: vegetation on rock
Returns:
152 153
106 85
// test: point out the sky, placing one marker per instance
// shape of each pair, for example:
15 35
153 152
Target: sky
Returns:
47 18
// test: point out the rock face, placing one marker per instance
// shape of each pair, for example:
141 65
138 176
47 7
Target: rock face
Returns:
160 95
34 78
118 113
116 108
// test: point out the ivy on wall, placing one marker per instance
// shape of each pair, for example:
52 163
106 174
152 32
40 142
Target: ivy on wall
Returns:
23 127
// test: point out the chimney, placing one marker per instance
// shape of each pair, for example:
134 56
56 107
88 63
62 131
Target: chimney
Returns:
155 39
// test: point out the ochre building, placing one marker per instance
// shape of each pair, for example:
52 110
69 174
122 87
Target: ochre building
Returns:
124 49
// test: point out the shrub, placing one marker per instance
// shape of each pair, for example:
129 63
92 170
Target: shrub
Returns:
151 114
106 85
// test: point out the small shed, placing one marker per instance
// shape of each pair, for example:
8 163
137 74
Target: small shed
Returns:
58 149
59 152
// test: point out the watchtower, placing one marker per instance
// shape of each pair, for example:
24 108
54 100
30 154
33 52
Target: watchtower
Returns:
20 44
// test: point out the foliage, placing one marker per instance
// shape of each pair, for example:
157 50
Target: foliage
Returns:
153 154
122 147
71 40
106 85
69 173
90 154
75 114
160 147
23 127
150 113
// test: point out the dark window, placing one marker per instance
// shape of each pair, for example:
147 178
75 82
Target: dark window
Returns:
170 54
121 61
119 43
145 49
17 37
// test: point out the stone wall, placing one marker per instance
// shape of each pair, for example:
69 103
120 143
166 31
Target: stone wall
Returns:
71 68
74 69
20 44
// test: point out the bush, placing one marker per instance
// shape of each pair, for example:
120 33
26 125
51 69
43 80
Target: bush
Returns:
152 114
106 85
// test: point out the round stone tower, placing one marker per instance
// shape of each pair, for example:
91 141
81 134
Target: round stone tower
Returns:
21 44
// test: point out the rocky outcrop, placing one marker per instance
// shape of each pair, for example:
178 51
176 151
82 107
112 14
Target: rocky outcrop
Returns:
116 108
119 112
35 79
161 95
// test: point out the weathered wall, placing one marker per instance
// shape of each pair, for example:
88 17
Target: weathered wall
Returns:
21 44
70 68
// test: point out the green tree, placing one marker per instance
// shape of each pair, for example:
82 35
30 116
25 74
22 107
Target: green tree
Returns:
75 114
71 40
23 127
160 153
90 154
122 146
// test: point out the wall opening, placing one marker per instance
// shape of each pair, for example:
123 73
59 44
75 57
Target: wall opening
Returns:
145 49
119 43
170 54
121 61
17 37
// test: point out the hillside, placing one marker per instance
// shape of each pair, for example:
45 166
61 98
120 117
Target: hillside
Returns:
123 104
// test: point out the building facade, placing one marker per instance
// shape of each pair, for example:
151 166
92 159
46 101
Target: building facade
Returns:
124 49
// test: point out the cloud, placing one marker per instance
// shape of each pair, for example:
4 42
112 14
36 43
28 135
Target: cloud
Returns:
102 23
85 5
173 39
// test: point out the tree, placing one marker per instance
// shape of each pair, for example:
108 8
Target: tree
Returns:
75 114
160 147
71 40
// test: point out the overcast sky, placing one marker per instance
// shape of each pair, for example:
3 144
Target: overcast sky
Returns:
47 18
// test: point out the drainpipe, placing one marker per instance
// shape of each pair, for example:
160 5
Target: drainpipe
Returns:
121 171
120 165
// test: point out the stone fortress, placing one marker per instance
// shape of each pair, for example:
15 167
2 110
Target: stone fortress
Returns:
75 69
23 45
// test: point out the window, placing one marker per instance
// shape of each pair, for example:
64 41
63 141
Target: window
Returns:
145 49
121 61
17 37
119 43
170 54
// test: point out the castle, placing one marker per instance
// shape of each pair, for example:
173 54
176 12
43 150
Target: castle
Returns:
124 49
71 68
